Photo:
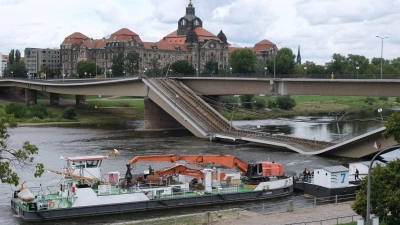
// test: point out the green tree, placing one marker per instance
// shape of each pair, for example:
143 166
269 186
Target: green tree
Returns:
15 159
132 62
243 60
385 182
211 67
47 70
16 70
89 67
17 56
384 195
285 102
11 57
182 67
259 103
246 101
154 68
284 62
118 64
337 65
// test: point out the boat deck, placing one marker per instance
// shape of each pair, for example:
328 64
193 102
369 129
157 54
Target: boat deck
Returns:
56 201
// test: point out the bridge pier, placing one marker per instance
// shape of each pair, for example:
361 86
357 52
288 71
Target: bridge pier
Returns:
80 99
156 118
30 96
54 99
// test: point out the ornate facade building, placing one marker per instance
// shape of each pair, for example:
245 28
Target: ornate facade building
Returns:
189 42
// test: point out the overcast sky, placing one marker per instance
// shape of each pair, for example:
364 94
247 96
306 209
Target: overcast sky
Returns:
320 27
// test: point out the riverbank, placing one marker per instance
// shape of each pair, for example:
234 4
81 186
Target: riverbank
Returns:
328 213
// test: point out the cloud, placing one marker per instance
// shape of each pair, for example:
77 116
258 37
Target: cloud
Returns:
320 27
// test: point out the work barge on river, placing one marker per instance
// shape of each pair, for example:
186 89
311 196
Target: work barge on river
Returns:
84 191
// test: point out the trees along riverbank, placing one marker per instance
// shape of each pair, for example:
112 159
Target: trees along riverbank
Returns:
117 109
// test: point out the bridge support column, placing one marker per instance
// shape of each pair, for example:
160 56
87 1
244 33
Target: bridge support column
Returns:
215 101
271 87
30 96
80 99
156 118
54 99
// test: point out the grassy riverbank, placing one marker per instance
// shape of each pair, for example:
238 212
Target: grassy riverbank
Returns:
118 109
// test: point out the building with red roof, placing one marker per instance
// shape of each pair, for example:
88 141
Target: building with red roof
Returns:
191 42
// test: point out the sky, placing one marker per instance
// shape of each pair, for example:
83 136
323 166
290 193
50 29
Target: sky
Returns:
320 27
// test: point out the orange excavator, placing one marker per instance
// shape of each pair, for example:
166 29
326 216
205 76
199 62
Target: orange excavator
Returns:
252 172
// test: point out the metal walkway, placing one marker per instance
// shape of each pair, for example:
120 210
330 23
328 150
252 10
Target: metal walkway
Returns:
204 121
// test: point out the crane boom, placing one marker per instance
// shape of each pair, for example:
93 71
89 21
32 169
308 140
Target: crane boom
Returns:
228 161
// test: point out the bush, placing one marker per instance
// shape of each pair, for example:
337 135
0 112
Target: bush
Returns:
246 101
259 103
18 109
69 113
369 100
384 98
271 104
39 111
123 104
398 100
285 102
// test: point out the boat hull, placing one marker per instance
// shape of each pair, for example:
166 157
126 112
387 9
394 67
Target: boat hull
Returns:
52 214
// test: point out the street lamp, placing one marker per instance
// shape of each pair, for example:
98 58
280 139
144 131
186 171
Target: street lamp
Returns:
265 72
380 111
85 76
357 67
110 72
230 70
12 73
305 69
63 77
90 75
381 52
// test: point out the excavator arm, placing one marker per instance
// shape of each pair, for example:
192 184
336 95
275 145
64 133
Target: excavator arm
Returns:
228 161
184 170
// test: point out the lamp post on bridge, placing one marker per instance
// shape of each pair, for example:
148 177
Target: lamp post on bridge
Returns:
381 52
265 72
357 67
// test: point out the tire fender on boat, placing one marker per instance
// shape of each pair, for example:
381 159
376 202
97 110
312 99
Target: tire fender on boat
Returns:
51 204
70 170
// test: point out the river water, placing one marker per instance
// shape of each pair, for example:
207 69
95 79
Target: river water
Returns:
78 140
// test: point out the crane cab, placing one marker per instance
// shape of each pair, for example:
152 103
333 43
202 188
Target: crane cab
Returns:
261 171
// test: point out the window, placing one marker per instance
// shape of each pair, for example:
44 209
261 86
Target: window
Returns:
196 22
183 22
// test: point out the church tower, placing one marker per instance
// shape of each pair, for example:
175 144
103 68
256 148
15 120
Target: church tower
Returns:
190 21
298 57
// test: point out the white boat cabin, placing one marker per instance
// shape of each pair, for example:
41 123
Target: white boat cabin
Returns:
87 166
331 177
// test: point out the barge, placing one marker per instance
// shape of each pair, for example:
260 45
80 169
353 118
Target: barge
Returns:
84 191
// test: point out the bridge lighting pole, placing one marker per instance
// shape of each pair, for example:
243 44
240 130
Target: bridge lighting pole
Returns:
381 52
85 76
380 111
305 70
265 72
357 67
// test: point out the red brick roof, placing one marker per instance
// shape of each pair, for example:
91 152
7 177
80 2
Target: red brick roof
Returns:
95 44
124 34
166 45
74 38
264 45
201 34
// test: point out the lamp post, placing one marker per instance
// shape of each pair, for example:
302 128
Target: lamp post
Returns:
230 69
12 74
265 72
305 70
381 52
380 111
85 76
63 77
357 67
110 72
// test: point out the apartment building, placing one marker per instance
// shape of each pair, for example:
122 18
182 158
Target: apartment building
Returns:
36 58
3 66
